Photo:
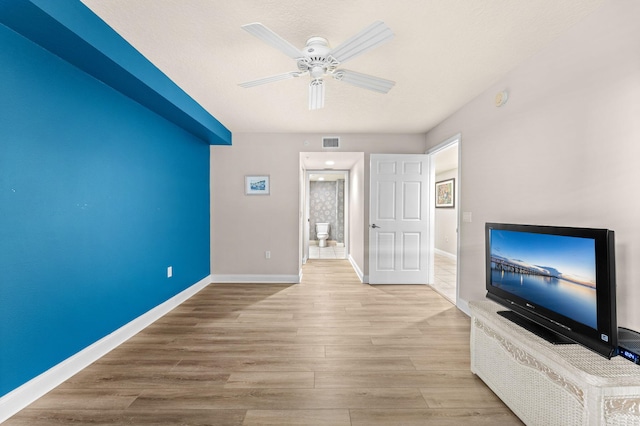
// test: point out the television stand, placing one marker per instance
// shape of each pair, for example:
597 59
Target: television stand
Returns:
547 384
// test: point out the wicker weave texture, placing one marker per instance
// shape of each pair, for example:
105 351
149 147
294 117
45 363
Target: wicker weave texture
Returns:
527 390
546 384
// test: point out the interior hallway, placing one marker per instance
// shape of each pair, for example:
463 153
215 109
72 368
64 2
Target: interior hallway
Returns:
445 276
331 251
328 351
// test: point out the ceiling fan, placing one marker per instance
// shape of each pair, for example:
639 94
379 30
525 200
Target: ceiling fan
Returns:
318 60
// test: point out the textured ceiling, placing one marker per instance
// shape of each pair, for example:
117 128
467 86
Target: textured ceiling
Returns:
445 52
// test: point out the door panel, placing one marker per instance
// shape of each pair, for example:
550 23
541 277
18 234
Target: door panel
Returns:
386 251
412 167
386 191
386 168
411 198
411 250
398 243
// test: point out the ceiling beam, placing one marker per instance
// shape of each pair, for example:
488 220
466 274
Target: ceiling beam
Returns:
70 30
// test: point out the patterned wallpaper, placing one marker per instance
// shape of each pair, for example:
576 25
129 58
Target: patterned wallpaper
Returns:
326 204
341 218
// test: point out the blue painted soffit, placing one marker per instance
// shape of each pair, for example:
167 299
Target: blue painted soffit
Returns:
70 30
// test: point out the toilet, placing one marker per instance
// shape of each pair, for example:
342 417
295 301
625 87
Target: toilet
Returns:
322 232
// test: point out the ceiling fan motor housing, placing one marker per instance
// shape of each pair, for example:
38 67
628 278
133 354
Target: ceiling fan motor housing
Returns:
317 46
317 60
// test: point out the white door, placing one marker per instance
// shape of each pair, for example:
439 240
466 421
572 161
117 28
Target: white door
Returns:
398 225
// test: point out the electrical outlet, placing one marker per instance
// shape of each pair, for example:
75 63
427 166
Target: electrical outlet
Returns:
267 254
169 271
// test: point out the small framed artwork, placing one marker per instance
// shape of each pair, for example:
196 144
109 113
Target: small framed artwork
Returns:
256 185
445 196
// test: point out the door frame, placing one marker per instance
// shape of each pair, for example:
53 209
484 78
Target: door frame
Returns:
431 152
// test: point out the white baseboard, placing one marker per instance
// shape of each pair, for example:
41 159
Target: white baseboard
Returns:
29 392
445 254
256 278
357 269
463 305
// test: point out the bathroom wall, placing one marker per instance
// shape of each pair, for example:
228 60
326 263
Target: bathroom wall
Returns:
341 218
323 208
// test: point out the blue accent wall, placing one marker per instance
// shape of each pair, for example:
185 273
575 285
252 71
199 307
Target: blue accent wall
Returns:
73 32
98 196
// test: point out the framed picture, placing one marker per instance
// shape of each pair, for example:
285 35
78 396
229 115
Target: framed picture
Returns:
445 193
256 185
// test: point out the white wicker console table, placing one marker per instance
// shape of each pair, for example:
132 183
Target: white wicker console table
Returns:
546 384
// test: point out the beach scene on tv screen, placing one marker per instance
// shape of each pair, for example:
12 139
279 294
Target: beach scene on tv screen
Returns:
554 271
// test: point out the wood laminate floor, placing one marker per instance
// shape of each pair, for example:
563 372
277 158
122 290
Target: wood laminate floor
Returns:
328 351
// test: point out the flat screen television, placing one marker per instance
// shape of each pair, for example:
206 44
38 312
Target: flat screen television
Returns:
558 282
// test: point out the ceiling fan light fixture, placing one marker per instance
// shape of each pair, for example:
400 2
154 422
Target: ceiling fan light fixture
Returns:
317 72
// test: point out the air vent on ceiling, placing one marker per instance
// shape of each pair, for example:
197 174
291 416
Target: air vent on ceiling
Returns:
331 142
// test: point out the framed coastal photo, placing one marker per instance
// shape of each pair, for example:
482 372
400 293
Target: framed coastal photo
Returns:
445 197
256 185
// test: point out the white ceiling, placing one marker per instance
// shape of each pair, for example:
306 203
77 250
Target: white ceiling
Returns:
341 160
445 52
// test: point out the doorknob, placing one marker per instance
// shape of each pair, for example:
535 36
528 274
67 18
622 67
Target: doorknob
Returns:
375 226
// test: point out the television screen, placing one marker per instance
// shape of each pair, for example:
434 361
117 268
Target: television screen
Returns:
557 272
558 282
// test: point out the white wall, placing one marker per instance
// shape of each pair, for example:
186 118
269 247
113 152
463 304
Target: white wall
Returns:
357 214
244 227
564 150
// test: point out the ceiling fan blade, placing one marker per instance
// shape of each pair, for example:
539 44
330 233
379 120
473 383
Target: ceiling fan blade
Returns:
265 34
271 79
372 36
365 81
316 94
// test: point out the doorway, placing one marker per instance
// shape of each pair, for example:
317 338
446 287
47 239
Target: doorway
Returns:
346 239
444 223
327 210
